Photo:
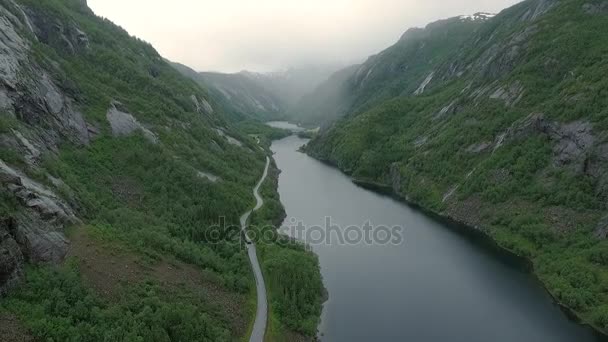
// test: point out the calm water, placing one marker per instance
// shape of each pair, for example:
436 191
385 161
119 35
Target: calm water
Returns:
436 286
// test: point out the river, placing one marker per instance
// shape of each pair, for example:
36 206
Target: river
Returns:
436 285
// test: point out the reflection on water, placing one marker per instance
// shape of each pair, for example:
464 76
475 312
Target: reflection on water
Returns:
436 285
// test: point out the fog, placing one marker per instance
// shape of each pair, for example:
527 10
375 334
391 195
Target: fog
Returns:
267 35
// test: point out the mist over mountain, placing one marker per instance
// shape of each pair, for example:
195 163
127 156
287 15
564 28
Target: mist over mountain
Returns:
496 122
132 187
261 96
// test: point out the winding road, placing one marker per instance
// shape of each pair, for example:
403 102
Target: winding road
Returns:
261 316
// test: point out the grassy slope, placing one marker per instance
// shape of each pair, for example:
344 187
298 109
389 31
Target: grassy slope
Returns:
545 213
144 207
138 197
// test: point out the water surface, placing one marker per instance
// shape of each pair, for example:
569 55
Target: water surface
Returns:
436 286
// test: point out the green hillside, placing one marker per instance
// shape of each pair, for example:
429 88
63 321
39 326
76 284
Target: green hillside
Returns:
122 187
504 131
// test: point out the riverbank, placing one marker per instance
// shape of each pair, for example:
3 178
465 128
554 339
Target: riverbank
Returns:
261 317
477 233
285 263
279 255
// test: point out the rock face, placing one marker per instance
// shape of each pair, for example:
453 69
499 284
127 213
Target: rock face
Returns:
11 257
27 91
542 7
596 8
124 124
35 196
424 84
479 148
230 139
511 95
573 142
40 241
202 106
35 233
601 231
64 36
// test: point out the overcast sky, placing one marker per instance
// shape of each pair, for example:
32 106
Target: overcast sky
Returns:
266 35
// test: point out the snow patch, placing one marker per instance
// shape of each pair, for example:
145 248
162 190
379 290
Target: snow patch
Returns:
477 16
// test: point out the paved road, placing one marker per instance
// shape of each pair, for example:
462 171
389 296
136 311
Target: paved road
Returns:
261 316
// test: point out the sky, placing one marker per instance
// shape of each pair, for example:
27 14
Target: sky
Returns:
272 35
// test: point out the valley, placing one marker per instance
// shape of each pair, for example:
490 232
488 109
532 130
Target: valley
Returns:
144 200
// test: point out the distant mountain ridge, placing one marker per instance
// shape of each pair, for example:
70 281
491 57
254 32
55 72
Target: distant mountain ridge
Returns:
392 72
250 95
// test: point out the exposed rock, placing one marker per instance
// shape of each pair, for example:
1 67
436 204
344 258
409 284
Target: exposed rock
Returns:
601 230
511 94
82 38
66 37
6 104
93 131
13 48
33 154
424 84
230 139
421 141
501 57
466 211
124 124
542 7
35 196
449 193
66 119
202 106
11 257
596 8
447 110
573 142
210 177
38 227
40 241
207 107
38 101
479 148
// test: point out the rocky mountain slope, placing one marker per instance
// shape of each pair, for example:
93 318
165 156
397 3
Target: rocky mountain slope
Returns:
398 70
239 95
505 131
120 180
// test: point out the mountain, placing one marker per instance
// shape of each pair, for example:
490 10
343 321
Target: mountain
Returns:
393 72
122 187
326 103
505 130
259 96
291 84
240 95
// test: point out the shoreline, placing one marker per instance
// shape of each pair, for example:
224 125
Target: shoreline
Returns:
472 232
